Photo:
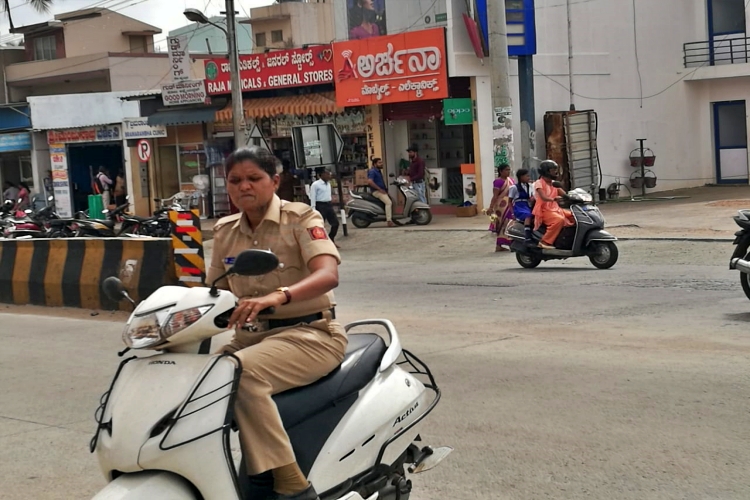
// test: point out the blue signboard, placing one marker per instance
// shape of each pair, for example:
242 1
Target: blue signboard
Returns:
20 141
521 25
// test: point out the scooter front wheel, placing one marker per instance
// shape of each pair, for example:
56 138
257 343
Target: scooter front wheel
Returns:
528 261
421 217
604 254
745 280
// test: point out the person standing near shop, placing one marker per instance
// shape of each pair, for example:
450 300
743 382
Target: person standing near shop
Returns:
121 191
11 192
417 172
104 183
321 200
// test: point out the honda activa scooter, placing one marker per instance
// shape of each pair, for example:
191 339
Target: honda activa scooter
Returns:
166 426
741 257
586 238
364 208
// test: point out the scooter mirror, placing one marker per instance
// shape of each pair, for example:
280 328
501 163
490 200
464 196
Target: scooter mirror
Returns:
51 198
114 289
255 263
557 184
391 175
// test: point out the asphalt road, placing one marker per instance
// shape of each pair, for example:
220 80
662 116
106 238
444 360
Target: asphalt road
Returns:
564 382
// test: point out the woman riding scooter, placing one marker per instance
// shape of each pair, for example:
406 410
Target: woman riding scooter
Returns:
547 210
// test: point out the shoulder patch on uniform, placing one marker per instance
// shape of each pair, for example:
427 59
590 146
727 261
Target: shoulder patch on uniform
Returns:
317 233
230 219
296 208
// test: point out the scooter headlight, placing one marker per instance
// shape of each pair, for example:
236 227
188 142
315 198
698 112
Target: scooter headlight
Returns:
153 328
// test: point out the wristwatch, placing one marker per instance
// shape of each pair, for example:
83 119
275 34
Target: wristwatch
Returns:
285 291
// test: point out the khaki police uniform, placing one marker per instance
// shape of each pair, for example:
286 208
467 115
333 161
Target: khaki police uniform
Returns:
297 345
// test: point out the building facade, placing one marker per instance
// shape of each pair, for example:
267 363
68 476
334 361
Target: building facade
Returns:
292 24
208 39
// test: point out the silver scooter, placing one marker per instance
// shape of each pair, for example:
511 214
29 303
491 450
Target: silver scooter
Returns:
364 208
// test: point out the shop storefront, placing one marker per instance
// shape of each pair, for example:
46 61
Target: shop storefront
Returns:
15 145
76 155
403 81
284 89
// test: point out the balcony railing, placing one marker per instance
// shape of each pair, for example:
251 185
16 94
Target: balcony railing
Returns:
717 52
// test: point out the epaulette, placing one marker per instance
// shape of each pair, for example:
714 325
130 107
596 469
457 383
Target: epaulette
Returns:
230 219
298 209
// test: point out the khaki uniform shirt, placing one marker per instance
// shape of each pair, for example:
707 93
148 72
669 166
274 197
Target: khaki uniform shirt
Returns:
295 233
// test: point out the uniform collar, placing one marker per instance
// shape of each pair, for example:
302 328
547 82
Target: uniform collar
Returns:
273 214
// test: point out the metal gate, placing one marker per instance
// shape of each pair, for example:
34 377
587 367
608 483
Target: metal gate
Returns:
582 155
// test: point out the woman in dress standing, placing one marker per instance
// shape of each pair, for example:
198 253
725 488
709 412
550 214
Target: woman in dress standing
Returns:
502 207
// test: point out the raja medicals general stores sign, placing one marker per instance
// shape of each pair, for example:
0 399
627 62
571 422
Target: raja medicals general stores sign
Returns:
274 70
393 68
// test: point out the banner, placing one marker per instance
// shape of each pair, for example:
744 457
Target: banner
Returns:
274 70
187 92
102 133
60 181
366 19
179 58
138 128
388 69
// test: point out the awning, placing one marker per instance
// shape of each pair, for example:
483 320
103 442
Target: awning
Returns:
183 116
307 104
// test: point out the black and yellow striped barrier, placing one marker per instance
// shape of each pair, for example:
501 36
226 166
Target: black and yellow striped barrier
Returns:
187 241
70 272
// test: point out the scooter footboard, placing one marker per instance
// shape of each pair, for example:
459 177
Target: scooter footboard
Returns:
148 485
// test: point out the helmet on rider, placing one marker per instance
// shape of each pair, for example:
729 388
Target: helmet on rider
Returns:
549 169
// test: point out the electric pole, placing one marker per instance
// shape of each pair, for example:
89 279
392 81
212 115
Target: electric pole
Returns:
238 112
502 126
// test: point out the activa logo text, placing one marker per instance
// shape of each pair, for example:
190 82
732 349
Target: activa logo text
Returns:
162 363
408 412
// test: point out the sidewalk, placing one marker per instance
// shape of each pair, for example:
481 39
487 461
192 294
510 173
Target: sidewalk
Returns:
690 214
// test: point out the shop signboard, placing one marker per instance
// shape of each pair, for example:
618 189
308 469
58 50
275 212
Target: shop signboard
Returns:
179 58
187 92
406 67
60 180
138 128
274 70
20 141
103 133
458 111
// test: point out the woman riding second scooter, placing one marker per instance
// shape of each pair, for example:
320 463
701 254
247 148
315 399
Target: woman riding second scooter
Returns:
547 210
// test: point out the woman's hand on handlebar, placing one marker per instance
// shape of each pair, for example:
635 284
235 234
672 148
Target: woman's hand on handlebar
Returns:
247 310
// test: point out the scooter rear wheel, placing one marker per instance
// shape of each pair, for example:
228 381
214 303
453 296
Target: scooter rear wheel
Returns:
745 280
528 261
360 221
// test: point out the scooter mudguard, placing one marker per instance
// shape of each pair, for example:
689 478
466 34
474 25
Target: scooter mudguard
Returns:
599 235
147 485
418 205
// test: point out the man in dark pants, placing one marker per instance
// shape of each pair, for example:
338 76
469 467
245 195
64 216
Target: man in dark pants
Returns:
320 200
417 172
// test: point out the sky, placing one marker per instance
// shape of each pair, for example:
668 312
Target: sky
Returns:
165 14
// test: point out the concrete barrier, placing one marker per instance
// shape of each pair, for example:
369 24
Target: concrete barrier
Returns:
69 272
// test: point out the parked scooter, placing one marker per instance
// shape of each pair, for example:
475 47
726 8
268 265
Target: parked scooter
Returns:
93 228
44 223
364 208
741 257
587 238
165 426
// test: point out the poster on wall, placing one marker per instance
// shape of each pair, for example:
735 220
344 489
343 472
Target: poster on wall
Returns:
388 69
60 180
470 188
436 184
366 18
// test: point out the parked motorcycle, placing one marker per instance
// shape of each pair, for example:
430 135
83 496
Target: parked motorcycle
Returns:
741 257
93 228
364 208
587 238
165 426
44 223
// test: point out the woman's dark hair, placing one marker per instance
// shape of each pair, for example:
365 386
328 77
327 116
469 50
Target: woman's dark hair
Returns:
502 167
262 157
521 172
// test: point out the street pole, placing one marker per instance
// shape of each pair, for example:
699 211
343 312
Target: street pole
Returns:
502 127
528 112
570 56
238 113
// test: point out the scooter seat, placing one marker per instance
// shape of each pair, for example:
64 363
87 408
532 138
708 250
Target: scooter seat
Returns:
369 197
360 364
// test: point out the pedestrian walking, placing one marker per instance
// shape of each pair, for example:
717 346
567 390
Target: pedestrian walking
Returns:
321 200
501 206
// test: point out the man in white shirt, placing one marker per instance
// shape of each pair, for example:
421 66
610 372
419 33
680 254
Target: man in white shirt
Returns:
320 200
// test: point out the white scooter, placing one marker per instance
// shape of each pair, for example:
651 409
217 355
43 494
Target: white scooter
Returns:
166 429
364 208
